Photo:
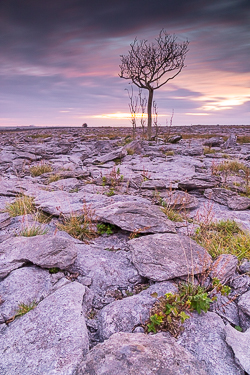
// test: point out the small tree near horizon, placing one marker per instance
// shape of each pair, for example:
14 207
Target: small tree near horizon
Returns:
152 65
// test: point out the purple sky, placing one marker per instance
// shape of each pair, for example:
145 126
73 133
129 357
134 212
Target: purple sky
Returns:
59 60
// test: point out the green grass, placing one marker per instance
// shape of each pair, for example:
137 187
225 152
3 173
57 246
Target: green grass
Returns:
23 205
224 237
172 214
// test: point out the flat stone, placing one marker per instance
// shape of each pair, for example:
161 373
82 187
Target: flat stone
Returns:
220 195
137 353
153 184
240 343
45 251
204 337
51 339
132 216
124 315
165 256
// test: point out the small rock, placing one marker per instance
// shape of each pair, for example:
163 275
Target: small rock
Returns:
224 267
240 343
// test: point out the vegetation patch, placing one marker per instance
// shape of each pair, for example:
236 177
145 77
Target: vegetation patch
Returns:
170 311
54 177
224 237
105 228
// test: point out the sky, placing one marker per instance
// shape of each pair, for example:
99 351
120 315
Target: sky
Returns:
59 61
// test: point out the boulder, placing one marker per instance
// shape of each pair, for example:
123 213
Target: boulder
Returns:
153 184
231 142
240 343
204 337
133 216
228 198
199 181
5 220
174 139
224 267
181 200
51 339
125 314
137 353
165 256
26 285
107 270
45 251
117 154
213 142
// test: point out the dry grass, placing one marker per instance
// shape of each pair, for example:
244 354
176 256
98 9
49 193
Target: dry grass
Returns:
243 139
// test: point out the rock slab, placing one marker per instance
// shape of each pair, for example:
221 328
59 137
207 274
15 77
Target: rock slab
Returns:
51 339
161 257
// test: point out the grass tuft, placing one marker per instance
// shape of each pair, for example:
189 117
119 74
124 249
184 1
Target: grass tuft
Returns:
224 237
39 169
23 205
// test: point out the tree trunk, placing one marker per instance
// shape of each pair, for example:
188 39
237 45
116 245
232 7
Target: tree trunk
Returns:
150 102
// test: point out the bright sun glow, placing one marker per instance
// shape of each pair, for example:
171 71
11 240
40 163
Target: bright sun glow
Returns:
121 116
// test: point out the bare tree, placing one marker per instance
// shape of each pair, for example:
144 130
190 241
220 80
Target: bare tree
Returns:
152 65
133 107
143 105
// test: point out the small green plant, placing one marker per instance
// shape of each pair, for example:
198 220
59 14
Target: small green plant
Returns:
54 270
111 192
238 328
104 181
39 169
105 228
171 310
22 205
223 237
24 309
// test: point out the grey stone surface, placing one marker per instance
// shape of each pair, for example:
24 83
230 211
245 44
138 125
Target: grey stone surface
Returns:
204 337
46 251
226 308
137 353
51 339
124 315
133 216
240 343
224 267
244 303
165 256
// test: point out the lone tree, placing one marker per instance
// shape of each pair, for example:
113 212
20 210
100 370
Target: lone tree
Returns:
152 65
